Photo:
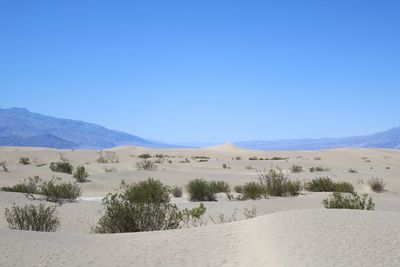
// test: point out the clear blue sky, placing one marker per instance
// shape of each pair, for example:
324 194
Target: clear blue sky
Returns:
206 71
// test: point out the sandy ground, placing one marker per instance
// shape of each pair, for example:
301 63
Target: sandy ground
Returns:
290 231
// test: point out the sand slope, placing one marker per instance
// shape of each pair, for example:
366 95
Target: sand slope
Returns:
294 238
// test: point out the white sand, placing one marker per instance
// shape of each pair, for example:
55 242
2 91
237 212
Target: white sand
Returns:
288 232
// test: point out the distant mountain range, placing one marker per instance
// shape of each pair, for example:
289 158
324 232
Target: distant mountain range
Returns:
20 127
387 139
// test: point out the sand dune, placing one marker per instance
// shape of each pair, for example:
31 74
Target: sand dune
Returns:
291 231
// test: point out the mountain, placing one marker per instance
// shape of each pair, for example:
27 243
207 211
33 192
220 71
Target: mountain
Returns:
387 139
20 127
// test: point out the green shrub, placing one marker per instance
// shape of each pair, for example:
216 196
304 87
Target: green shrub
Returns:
343 187
122 216
32 218
144 156
296 169
200 190
238 189
24 161
293 188
252 190
146 165
80 174
28 187
176 191
148 191
377 185
219 187
321 184
60 192
348 201
276 183
61 166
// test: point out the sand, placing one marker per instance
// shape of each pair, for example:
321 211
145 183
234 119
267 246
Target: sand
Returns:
289 231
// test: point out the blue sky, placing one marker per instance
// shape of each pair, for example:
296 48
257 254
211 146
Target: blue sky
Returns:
206 71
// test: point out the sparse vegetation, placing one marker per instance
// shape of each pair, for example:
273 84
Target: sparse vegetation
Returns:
219 186
24 161
80 174
325 184
29 187
377 185
348 201
144 207
352 170
275 183
200 190
319 169
148 191
107 157
32 218
252 190
248 168
61 166
144 156
3 164
58 192
296 169
176 191
146 165
248 214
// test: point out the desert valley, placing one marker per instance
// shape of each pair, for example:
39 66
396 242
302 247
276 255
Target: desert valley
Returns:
288 230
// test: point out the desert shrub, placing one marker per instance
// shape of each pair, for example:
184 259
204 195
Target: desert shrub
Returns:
224 166
80 174
146 165
377 185
144 156
149 191
238 189
32 218
317 158
321 184
159 156
3 164
219 186
193 217
59 192
122 216
252 190
348 201
352 170
278 158
238 158
188 161
319 169
293 188
200 190
107 157
248 168
176 191
253 158
61 166
387 168
28 187
262 159
248 214
343 187
24 161
200 157
276 183
296 169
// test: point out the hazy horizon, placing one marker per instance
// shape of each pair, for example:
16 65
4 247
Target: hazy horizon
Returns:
208 72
